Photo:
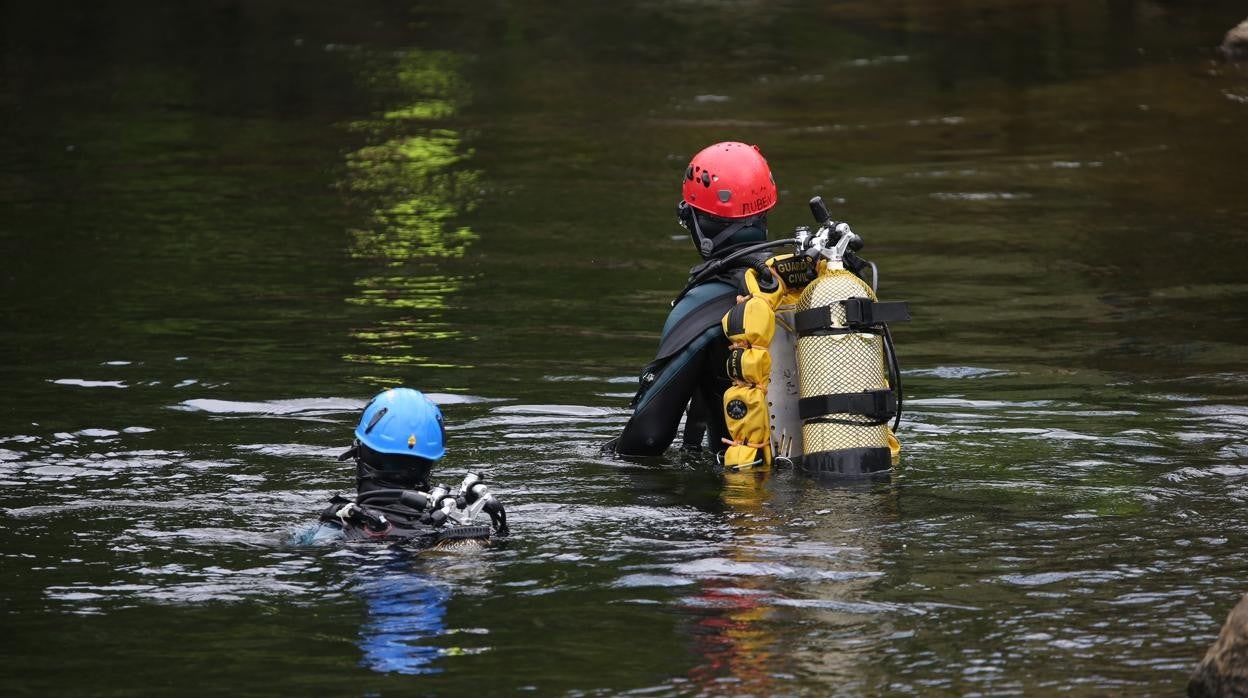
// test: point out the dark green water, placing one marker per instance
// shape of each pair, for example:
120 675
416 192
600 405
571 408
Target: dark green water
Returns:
226 225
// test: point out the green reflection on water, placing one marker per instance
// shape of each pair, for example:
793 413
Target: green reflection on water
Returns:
416 197
402 360
432 109
413 180
425 293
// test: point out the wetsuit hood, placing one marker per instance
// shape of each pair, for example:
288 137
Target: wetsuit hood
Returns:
747 235
379 471
735 239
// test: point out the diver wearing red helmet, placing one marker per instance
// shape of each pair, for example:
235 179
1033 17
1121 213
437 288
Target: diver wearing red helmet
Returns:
727 191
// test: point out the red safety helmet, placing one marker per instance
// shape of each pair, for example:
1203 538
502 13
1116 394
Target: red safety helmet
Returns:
729 180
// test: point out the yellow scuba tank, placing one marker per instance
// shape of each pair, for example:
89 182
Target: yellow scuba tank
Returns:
843 381
848 378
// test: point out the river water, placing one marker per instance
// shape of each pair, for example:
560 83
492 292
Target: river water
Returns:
227 224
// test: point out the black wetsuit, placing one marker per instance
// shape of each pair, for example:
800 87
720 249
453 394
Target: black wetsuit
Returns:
688 373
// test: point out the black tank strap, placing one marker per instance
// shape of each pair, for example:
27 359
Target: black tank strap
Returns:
880 405
859 313
863 311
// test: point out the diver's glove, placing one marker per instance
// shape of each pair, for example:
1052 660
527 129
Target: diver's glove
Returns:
353 513
473 493
498 516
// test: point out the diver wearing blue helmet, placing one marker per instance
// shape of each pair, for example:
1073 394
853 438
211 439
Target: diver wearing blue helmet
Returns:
400 437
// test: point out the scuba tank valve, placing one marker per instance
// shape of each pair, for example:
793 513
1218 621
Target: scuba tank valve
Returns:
470 480
831 230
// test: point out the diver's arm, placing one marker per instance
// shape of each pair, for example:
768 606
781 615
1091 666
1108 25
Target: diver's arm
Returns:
711 389
653 425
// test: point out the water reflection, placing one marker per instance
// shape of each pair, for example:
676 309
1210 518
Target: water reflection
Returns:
843 534
417 195
414 183
802 554
405 610
732 640
730 636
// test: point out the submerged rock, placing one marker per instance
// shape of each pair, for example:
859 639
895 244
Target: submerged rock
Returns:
1223 673
1235 45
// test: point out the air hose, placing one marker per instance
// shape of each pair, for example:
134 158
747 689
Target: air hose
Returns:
716 265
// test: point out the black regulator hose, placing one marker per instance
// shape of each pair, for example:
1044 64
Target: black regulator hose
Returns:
894 373
395 494
715 265
767 282
414 499
894 369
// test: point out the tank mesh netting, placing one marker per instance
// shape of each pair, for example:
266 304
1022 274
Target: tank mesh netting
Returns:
840 363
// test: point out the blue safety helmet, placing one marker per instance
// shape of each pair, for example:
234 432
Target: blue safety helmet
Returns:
402 421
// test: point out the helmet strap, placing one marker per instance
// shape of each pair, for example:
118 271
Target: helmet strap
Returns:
705 245
688 216
731 230
352 452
